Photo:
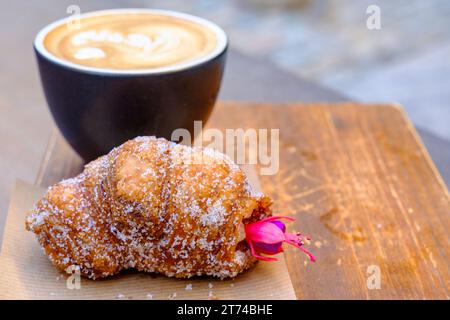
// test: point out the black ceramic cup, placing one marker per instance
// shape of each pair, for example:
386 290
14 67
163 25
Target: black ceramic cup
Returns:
98 109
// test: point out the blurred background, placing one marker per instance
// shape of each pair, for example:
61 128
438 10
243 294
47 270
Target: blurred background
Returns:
323 41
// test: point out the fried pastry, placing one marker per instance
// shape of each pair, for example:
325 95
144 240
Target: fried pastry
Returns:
154 206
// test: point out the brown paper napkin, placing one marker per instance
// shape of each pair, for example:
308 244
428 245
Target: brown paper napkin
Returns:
26 273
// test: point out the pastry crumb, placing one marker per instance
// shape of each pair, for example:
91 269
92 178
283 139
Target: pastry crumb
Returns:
172 296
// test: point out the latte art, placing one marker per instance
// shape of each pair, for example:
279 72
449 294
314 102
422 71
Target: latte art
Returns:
130 41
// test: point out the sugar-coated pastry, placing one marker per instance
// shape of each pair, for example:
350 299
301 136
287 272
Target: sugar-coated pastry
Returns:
154 206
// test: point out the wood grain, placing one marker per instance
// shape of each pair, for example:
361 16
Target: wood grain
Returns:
359 181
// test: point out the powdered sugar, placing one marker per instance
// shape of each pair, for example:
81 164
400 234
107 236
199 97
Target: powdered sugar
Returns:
147 205
215 215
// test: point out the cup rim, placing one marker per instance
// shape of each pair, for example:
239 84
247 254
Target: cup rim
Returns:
222 43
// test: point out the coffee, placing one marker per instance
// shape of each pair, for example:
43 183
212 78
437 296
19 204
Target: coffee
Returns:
129 72
133 40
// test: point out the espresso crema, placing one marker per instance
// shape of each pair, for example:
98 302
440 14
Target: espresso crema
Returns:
131 41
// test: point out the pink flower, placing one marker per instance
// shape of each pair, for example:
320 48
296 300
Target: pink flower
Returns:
267 236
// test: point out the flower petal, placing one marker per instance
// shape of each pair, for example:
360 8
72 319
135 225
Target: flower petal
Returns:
263 232
268 248
258 256
279 224
267 236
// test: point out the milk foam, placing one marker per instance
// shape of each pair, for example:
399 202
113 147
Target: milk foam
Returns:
131 41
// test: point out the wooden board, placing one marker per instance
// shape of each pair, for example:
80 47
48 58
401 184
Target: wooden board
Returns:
359 181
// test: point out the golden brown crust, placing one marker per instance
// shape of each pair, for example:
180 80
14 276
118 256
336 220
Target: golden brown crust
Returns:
154 206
